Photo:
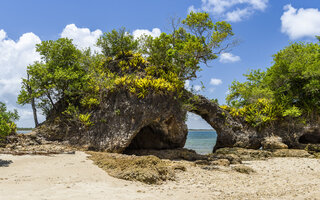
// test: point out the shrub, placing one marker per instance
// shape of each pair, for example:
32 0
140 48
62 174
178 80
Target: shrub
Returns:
7 126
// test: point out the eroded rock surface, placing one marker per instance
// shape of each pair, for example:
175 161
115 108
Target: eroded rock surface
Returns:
231 133
273 142
32 144
123 121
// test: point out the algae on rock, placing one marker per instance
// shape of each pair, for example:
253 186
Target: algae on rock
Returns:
146 169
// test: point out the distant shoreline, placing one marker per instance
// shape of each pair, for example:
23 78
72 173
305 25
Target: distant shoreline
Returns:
201 130
25 129
30 129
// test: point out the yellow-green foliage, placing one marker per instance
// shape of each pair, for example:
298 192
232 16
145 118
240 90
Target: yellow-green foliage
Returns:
89 101
136 76
85 119
141 86
134 62
257 114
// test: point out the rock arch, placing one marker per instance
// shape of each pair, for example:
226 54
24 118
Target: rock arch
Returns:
230 132
124 121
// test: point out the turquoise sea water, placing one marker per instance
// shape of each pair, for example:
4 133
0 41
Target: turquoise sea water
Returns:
201 141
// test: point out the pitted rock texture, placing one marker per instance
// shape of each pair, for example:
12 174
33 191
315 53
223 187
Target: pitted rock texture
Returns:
123 121
230 132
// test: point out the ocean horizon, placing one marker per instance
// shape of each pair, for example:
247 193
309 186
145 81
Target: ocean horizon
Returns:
202 141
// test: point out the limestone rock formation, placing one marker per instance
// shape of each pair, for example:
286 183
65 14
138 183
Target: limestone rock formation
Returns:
292 134
273 142
231 132
125 121
234 132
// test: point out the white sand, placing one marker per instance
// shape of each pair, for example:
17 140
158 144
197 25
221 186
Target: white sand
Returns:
74 177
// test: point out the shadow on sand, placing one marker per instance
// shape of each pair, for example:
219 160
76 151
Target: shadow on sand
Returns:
5 163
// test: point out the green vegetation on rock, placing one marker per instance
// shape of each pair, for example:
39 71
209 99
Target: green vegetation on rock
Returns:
72 82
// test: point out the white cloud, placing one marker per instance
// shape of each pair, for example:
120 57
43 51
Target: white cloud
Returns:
229 58
15 56
82 37
197 88
232 10
3 35
139 32
299 23
215 81
193 9
187 85
238 14
190 87
195 121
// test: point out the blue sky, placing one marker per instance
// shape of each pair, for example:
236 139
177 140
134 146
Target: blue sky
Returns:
263 27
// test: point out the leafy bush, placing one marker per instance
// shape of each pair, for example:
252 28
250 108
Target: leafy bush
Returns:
258 114
288 89
7 126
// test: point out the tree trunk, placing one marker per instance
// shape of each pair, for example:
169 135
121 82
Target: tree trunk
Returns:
34 110
33 105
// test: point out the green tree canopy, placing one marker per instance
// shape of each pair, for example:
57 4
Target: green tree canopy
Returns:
291 85
197 40
59 76
67 78
295 77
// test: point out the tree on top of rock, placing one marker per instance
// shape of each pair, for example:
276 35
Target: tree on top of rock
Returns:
70 81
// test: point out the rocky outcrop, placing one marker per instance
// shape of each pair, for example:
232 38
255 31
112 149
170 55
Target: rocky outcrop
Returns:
231 133
293 134
253 154
32 144
273 142
123 121
146 169
170 154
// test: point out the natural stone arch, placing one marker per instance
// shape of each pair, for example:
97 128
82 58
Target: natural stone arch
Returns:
230 132
156 121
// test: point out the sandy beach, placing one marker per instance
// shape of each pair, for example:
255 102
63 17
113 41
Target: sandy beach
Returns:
75 177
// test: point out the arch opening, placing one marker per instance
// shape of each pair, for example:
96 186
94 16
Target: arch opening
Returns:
201 136
167 134
149 137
